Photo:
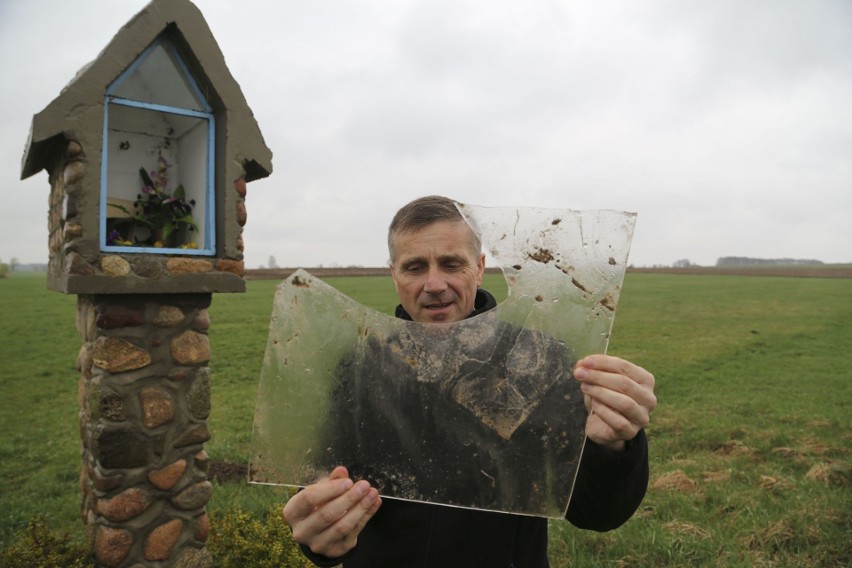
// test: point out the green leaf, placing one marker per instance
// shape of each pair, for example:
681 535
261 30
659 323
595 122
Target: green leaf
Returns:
121 208
187 219
146 179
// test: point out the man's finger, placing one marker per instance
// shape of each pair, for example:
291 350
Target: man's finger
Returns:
604 378
330 513
339 473
340 536
634 405
614 365
353 520
313 497
622 426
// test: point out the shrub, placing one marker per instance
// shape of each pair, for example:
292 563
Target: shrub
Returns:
239 539
40 547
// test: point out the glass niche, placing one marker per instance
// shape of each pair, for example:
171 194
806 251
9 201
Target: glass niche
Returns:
157 183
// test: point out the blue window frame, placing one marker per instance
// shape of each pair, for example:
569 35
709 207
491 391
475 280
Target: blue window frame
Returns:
157 168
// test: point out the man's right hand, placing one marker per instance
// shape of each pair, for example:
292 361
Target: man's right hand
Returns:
328 516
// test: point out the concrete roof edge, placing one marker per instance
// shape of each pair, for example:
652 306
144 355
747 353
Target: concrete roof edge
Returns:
89 84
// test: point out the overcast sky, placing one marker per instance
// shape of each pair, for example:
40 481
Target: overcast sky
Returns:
727 125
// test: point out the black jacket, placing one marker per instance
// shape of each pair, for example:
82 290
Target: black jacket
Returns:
608 489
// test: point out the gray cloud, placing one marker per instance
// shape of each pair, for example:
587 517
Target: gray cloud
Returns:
726 125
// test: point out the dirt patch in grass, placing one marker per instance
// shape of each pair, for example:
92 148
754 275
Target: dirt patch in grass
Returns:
734 448
830 474
813 447
716 476
770 483
774 536
225 472
675 480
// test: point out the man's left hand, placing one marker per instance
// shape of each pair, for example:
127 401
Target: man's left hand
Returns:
621 396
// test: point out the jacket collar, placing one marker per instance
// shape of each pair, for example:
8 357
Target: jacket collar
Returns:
483 302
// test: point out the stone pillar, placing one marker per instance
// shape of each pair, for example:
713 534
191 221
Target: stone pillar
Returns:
145 399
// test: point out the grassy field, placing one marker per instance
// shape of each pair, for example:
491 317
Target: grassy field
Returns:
750 444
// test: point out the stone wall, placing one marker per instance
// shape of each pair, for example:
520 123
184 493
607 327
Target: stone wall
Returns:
145 399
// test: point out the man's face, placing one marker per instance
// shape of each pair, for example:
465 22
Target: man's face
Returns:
436 272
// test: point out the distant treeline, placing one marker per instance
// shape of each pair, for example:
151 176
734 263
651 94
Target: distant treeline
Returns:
745 261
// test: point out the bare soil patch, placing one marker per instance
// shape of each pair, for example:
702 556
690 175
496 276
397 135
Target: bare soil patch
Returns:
830 474
775 535
225 472
770 483
675 480
734 448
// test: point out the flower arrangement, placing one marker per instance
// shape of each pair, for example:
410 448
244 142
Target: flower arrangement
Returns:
158 216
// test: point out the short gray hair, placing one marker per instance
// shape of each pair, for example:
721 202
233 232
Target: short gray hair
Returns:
424 211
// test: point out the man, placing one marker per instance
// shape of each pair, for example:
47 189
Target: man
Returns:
437 268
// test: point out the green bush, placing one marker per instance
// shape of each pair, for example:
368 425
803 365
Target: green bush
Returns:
40 547
239 539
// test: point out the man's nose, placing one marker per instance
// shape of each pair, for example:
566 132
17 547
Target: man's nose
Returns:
435 283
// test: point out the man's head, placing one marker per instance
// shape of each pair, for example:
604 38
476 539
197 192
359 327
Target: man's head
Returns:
436 260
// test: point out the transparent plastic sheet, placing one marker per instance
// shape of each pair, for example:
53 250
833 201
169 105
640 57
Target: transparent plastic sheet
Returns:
482 413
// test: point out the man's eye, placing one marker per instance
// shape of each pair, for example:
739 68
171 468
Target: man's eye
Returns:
454 266
415 268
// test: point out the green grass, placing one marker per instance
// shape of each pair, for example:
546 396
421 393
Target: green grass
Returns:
754 389
39 439
750 444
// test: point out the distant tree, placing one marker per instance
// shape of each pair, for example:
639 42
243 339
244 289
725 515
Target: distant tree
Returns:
4 269
682 263
272 262
13 265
